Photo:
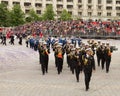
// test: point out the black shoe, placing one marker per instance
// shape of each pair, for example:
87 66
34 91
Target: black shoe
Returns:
77 80
107 71
86 89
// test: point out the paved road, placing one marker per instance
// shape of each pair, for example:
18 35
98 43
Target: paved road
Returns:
20 75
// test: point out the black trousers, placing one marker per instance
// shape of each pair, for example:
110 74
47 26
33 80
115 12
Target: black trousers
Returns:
103 62
87 78
72 67
77 72
59 65
68 61
43 68
108 64
98 60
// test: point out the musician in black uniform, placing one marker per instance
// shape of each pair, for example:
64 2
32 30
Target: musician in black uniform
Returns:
103 55
59 55
108 53
99 53
68 50
78 65
55 52
89 65
40 47
45 58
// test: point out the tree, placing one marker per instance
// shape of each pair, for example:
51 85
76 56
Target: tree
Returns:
49 13
4 15
17 16
32 16
65 15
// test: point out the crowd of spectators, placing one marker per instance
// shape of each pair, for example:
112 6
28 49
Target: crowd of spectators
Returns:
68 28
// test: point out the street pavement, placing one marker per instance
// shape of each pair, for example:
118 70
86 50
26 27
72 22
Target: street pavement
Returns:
20 75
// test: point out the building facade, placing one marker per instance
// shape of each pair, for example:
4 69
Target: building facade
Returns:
83 9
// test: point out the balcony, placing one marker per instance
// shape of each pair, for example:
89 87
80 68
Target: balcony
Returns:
28 7
38 1
89 10
109 4
79 13
49 1
59 9
79 3
69 2
70 9
118 11
60 2
80 10
38 8
99 10
89 4
99 4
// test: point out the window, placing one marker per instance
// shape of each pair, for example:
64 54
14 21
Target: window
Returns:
70 12
59 12
117 14
99 2
38 5
99 7
99 13
109 1
47 5
108 8
80 7
16 3
48 0
59 0
89 7
89 1
79 1
117 2
80 13
27 4
5 2
59 6
117 8
89 13
69 6
108 14
38 11
27 11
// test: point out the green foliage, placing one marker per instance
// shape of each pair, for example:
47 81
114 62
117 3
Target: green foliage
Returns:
17 16
49 13
65 15
4 15
32 16
28 19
